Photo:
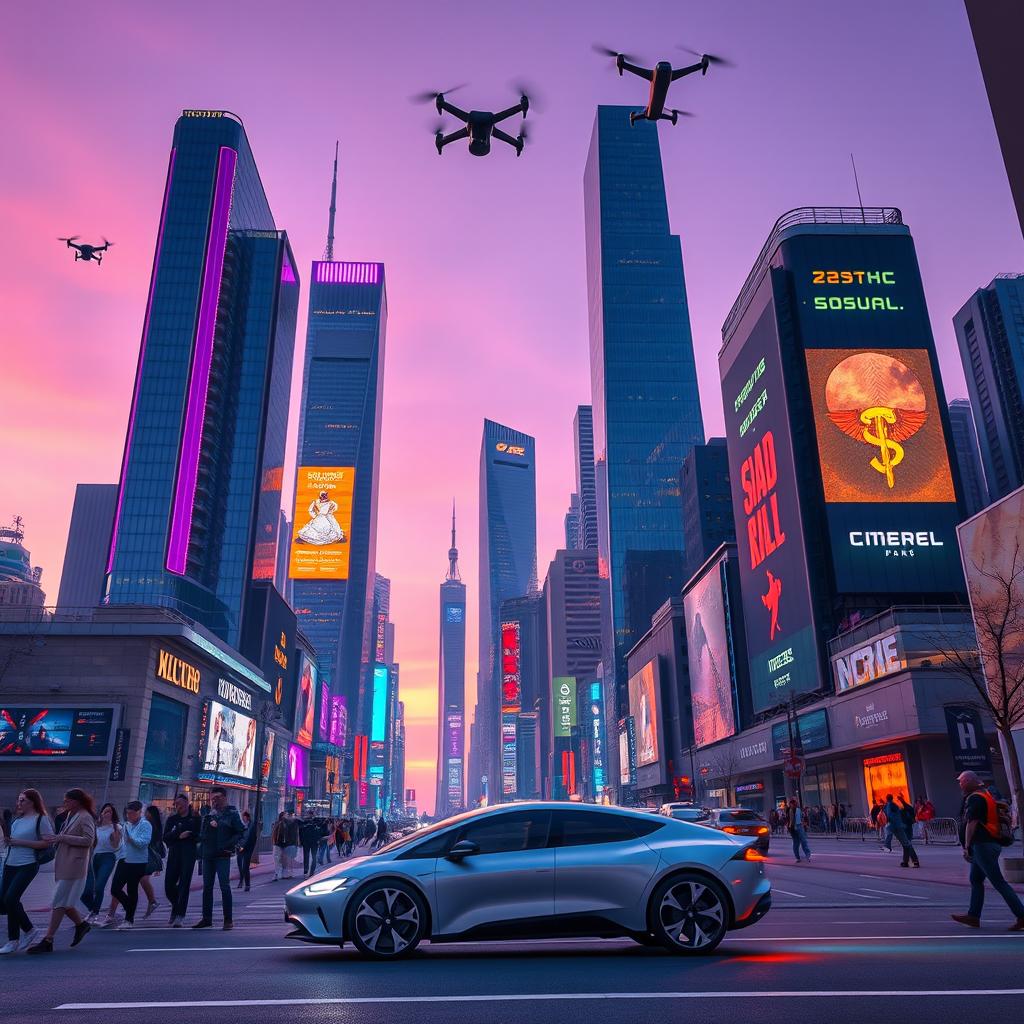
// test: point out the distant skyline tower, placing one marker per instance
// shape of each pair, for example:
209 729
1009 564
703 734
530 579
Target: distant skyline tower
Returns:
586 488
968 455
508 568
572 521
990 333
196 517
85 557
334 527
451 689
19 580
646 407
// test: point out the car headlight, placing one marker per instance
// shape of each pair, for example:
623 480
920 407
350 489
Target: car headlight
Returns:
325 887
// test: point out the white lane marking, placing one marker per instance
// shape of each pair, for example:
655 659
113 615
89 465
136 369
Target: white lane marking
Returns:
531 997
864 896
902 895
783 892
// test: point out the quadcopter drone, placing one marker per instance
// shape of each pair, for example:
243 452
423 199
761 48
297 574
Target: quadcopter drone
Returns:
480 125
661 76
85 251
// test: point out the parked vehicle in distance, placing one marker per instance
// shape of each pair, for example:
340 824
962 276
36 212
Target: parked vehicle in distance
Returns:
534 871
741 821
686 812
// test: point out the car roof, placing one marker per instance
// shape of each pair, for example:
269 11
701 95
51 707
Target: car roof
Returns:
548 805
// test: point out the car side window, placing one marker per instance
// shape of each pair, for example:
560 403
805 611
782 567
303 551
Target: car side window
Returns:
590 828
435 846
508 833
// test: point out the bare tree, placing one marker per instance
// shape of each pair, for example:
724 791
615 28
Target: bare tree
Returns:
994 667
724 768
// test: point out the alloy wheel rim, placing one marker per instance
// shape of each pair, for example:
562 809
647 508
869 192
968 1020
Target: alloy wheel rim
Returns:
387 921
691 914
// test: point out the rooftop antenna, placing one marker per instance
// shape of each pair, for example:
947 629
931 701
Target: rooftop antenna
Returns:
453 552
329 251
856 181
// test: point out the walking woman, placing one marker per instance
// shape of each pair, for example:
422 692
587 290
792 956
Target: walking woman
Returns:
131 869
28 846
108 842
73 844
155 863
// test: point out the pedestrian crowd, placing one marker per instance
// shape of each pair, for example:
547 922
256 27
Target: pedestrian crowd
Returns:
317 836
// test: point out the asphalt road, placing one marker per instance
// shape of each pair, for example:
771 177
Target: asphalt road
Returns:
849 930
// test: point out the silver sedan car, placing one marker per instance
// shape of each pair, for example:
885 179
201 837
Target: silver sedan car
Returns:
538 870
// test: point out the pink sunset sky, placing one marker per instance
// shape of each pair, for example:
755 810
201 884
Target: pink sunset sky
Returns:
485 258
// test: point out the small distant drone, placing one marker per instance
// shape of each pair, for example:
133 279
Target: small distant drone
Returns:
85 251
480 124
661 76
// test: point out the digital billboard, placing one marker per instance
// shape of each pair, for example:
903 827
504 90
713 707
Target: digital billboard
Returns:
305 701
298 766
379 705
511 677
810 734
56 731
598 753
509 761
321 523
774 580
228 742
707 646
323 722
643 706
563 698
885 472
339 721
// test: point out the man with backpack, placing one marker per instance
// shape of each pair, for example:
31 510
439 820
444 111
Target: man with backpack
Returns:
984 831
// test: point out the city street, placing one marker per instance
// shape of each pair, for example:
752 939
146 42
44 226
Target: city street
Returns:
847 926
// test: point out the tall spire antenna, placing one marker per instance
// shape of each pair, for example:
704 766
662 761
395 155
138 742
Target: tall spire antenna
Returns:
453 552
329 251
856 182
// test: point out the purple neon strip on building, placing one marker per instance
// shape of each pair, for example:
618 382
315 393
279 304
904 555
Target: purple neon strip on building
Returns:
287 271
202 357
346 273
138 369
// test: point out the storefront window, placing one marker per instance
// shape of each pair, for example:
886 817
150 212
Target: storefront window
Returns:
165 738
885 774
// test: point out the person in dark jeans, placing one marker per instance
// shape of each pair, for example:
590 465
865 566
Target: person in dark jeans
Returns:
221 833
246 850
979 830
26 834
132 867
181 837
309 836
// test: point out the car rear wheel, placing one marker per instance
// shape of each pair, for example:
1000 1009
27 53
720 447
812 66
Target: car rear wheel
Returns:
689 914
386 920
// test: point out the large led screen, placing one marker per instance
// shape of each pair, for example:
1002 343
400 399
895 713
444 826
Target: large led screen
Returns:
777 611
56 731
229 742
305 702
643 706
322 523
511 677
379 707
563 697
711 689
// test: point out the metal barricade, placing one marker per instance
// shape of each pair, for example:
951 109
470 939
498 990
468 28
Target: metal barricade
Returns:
856 828
941 832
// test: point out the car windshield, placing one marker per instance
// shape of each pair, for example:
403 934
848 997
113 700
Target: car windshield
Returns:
739 815
422 833
688 814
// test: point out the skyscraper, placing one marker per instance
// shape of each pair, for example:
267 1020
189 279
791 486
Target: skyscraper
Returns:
707 502
451 689
583 445
197 507
334 527
990 332
508 568
572 521
85 557
646 408
968 455
19 579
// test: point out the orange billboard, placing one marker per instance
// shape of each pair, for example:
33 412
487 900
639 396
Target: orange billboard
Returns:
322 523
879 429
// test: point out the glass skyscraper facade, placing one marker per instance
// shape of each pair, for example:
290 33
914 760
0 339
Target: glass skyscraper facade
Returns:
196 513
339 429
451 689
583 445
646 408
508 568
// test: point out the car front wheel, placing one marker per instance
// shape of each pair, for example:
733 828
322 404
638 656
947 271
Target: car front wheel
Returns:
386 920
689 914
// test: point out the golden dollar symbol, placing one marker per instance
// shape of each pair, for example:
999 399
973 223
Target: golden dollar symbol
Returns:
891 451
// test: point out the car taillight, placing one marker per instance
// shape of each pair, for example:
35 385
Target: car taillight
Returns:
763 831
749 853
732 830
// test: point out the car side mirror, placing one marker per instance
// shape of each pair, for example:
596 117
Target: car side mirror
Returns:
463 848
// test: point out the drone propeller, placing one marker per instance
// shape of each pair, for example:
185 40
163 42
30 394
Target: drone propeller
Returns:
73 238
431 96
526 131
606 51
107 244
536 98
683 113
711 59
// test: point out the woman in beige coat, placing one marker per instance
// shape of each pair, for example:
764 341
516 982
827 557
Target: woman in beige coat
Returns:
74 844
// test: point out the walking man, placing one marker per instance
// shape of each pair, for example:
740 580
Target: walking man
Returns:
222 831
897 818
181 836
979 836
246 850
309 835
795 823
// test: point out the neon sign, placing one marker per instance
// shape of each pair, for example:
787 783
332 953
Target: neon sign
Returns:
854 278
